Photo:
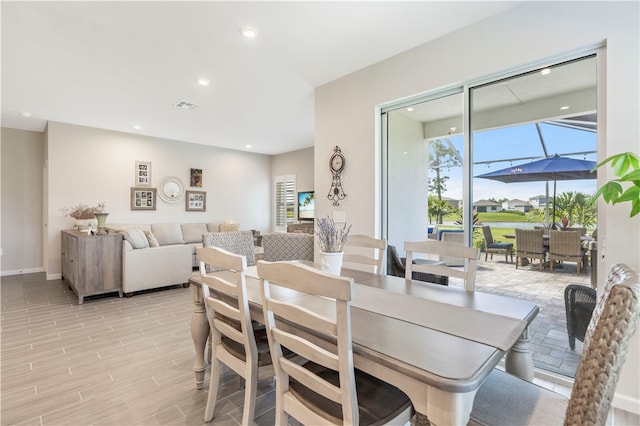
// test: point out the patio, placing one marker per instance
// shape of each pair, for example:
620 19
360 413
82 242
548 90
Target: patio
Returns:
548 332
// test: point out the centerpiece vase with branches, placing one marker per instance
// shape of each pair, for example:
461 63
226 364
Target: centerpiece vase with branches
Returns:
331 239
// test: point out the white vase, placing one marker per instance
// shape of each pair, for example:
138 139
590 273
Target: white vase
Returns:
331 263
84 224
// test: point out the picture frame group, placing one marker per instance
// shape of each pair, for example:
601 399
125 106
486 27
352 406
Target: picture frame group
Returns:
143 198
143 173
196 201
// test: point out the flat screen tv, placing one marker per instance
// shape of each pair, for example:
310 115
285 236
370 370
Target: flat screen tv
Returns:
306 205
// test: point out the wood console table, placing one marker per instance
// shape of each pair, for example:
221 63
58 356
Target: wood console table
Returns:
92 264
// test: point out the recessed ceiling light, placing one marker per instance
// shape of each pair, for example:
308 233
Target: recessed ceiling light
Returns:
25 114
137 127
564 107
453 129
545 71
249 32
248 146
203 82
410 109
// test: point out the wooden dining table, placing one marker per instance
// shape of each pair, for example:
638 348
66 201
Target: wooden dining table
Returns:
435 343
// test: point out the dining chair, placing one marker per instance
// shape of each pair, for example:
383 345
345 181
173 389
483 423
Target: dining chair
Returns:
507 400
395 267
236 242
530 245
579 303
565 246
325 388
442 249
365 250
287 246
491 246
234 342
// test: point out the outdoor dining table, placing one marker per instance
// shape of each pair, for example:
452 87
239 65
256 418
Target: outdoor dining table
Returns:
435 343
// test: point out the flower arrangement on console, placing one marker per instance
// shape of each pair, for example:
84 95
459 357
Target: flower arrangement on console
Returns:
82 211
330 237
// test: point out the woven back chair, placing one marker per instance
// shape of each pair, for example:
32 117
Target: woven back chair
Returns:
325 388
565 246
287 246
491 247
530 245
582 231
507 400
237 242
365 250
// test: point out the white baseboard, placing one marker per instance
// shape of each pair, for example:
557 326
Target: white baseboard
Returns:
626 403
54 277
21 271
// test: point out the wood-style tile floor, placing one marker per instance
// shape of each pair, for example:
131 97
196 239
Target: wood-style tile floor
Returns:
110 361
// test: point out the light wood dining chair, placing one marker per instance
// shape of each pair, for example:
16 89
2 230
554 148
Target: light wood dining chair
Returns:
507 400
234 342
442 249
530 245
565 246
325 389
365 250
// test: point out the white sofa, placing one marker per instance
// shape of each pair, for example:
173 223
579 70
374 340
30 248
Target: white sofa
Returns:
159 255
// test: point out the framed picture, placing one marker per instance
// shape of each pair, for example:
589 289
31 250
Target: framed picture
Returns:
196 178
143 173
196 201
143 198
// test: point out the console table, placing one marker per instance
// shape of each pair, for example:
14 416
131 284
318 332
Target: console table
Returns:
92 264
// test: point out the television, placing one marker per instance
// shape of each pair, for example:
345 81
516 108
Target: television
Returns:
306 205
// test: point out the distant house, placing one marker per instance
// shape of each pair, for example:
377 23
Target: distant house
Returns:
456 204
539 201
517 205
486 206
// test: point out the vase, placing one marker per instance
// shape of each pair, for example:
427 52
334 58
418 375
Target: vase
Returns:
102 221
84 224
331 263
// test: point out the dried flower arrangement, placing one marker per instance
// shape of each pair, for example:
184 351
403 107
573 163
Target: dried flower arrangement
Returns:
330 238
82 211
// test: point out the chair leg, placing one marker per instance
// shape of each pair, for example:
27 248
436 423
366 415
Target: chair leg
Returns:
214 383
486 254
250 393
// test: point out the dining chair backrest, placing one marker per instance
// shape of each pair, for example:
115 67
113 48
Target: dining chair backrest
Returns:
236 242
233 342
564 243
442 249
488 237
582 231
365 250
530 245
611 328
287 246
322 390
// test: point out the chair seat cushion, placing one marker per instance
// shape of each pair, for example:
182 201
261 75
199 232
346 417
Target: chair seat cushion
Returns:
503 246
262 343
378 401
506 400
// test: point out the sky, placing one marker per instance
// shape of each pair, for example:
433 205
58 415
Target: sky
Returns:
516 142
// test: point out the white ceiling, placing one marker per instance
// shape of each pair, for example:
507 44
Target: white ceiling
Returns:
113 65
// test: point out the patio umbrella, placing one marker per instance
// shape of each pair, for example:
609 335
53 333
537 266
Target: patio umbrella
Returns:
553 168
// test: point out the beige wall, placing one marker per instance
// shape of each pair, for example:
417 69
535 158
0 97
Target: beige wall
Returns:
22 200
528 34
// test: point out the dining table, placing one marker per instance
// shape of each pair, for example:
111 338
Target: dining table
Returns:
436 343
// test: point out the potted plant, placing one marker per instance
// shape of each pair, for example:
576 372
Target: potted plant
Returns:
86 216
626 166
331 239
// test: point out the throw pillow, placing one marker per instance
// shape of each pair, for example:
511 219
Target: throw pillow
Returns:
136 237
153 242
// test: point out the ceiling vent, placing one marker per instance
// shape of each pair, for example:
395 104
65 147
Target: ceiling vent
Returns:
185 105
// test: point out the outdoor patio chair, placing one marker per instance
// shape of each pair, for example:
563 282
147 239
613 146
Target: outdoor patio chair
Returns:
579 303
491 246
565 246
504 399
530 245
582 231
395 267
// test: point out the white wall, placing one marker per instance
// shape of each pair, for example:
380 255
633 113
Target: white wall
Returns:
22 212
298 163
527 34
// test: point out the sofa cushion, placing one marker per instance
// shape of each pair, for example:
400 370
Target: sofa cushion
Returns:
192 232
167 233
136 237
153 242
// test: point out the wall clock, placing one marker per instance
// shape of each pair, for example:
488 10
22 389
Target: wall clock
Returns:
336 165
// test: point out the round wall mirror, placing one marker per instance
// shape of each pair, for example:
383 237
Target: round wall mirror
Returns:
170 189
